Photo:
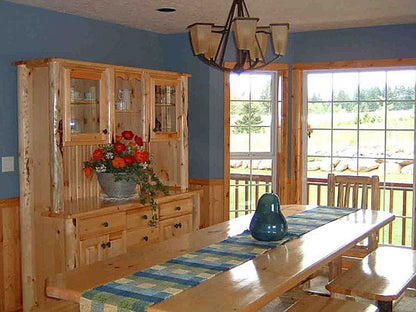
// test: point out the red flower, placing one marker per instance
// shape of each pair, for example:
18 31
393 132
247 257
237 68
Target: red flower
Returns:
129 159
98 154
119 147
118 162
128 135
88 171
141 156
118 138
138 140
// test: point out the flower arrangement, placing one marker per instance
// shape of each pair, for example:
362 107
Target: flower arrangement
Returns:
128 160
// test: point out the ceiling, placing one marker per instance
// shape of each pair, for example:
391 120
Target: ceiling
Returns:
303 15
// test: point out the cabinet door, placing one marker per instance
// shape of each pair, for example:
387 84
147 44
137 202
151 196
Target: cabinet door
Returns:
175 227
92 250
166 108
86 108
129 103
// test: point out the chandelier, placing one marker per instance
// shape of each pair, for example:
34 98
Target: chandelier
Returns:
210 42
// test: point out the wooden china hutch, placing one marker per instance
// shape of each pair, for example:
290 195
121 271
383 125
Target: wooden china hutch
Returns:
66 109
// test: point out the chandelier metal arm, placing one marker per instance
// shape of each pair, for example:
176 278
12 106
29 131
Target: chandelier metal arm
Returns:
210 42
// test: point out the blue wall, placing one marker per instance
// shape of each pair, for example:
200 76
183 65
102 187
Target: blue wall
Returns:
28 32
396 41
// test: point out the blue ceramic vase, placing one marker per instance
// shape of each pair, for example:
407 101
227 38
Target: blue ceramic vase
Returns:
268 223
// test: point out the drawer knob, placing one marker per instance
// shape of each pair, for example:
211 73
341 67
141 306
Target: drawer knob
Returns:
103 245
178 225
146 238
105 224
144 217
178 208
109 244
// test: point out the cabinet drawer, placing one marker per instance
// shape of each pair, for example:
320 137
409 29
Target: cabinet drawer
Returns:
142 237
138 218
175 227
175 208
102 224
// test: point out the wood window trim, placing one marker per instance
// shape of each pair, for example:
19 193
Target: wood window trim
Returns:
283 136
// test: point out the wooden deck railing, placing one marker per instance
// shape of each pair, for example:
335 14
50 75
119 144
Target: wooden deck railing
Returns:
261 183
395 198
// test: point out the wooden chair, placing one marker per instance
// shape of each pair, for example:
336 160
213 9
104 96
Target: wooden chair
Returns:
354 192
347 191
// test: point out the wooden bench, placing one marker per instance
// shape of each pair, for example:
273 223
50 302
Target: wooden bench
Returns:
383 276
325 304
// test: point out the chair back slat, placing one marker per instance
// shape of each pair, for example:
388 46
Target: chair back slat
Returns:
347 194
363 189
364 197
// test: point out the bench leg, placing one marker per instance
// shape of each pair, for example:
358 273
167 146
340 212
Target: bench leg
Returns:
385 306
335 268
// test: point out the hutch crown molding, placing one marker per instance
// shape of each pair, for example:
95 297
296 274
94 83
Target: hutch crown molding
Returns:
66 109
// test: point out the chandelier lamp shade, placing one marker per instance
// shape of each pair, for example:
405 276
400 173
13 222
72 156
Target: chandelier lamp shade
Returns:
210 42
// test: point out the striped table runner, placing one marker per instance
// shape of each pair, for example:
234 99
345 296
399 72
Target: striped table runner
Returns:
144 288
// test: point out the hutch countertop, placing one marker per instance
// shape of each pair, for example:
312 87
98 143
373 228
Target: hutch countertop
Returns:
85 207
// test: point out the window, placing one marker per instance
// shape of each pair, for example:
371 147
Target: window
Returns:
363 123
253 111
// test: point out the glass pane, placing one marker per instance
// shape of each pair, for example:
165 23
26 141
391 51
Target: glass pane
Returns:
400 144
240 89
260 139
401 115
345 86
319 143
370 167
165 108
371 143
401 85
372 85
345 165
345 115
320 87
318 167
237 109
239 139
260 86
128 105
319 115
372 115
261 114
85 108
345 143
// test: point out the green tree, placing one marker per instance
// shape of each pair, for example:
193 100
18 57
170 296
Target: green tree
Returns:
250 117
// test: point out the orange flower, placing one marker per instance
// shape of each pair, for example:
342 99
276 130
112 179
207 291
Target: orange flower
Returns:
119 147
128 135
129 159
118 162
98 154
132 144
88 171
118 138
141 156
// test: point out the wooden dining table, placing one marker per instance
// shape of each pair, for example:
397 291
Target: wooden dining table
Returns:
247 287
